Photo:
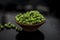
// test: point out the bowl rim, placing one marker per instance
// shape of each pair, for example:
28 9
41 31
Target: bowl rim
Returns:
31 24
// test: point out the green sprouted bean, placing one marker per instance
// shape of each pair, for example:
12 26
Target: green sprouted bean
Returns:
18 29
1 26
13 26
9 25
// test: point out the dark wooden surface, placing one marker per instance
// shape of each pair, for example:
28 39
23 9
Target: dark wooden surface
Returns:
48 31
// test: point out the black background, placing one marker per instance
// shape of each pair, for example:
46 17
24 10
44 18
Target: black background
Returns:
48 31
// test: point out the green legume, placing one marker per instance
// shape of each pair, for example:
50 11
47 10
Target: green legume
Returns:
29 16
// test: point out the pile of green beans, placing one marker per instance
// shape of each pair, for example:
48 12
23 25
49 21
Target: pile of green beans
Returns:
9 26
30 17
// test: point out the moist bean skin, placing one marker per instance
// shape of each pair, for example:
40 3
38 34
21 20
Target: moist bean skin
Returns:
9 26
30 17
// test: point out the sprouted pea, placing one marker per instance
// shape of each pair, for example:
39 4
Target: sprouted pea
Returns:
1 27
9 25
18 29
13 26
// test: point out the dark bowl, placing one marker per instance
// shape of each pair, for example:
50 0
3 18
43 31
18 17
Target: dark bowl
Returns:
29 27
